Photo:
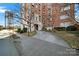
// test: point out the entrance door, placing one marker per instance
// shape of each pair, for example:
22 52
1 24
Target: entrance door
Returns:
36 26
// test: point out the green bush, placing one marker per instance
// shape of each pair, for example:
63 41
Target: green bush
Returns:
60 28
24 29
71 28
19 30
44 29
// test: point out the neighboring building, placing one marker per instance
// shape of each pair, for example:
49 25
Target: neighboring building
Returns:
9 19
47 15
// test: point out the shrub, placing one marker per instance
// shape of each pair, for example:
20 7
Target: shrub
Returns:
44 29
60 28
24 29
19 30
71 28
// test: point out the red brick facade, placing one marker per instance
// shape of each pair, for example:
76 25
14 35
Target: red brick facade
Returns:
56 15
49 14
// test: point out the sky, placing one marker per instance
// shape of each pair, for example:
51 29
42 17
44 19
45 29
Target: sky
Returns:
16 6
77 12
5 7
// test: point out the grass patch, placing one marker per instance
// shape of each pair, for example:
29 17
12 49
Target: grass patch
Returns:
70 37
76 33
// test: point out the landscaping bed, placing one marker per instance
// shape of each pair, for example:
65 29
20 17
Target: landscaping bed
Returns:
25 32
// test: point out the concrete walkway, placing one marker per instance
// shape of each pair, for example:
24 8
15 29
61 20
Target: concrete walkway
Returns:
46 36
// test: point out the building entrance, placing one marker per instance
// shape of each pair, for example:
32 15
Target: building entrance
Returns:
36 26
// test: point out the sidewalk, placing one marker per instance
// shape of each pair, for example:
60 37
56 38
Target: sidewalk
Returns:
5 33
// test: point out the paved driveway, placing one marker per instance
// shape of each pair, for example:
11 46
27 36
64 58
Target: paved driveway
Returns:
34 46
37 47
7 48
46 36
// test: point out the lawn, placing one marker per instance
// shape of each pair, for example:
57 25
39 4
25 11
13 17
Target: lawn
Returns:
72 37
75 33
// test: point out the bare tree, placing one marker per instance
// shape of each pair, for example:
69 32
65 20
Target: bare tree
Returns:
15 15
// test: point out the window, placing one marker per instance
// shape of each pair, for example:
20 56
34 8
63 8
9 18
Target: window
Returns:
36 18
65 8
32 5
23 4
64 17
36 6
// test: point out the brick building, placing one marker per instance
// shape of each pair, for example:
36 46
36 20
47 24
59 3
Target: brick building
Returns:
47 15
